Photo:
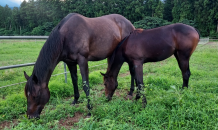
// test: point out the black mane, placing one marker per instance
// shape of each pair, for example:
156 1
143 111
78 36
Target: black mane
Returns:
49 54
111 58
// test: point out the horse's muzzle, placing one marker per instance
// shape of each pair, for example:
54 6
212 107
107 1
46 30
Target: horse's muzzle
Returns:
109 98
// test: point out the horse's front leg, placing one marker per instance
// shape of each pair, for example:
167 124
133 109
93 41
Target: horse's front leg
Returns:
132 73
138 67
83 65
73 72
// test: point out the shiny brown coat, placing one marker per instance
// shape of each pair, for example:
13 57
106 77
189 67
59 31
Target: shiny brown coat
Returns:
151 45
75 40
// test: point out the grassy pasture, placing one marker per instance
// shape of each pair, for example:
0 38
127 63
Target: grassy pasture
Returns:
169 106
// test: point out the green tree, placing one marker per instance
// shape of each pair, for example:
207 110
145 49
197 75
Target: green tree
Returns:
159 10
176 10
167 13
16 20
7 17
206 16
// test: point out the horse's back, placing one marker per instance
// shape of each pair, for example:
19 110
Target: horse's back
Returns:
94 38
105 24
160 43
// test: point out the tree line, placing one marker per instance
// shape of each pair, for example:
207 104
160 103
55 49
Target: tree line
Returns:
39 17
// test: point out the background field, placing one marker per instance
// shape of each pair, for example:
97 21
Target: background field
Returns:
169 106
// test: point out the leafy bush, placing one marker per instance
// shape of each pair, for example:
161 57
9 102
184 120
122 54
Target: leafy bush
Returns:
214 34
151 22
48 26
25 32
38 31
95 78
160 82
188 22
5 32
60 89
2 31
12 106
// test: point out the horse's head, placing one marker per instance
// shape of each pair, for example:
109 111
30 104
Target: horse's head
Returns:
37 96
110 85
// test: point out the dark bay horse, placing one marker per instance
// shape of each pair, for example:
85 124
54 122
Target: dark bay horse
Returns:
151 45
75 40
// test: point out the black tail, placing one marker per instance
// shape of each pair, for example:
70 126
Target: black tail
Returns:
198 32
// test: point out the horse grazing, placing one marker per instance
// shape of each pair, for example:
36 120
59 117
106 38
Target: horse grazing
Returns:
152 45
75 40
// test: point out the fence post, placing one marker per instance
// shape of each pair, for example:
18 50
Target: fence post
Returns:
65 72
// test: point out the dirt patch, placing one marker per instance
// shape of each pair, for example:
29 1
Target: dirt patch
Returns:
212 43
125 94
70 121
8 124
102 91
68 98
117 93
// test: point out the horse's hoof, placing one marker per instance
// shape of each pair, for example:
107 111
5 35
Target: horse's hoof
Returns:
74 103
144 103
88 115
129 97
137 97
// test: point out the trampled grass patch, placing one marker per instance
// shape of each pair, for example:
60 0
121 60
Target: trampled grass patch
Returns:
169 106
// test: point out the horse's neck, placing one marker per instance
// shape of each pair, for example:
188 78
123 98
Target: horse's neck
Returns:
49 55
115 67
44 69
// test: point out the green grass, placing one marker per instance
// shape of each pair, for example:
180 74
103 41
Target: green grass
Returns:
169 106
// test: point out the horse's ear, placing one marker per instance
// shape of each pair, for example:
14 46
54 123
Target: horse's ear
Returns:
35 79
102 74
26 76
105 75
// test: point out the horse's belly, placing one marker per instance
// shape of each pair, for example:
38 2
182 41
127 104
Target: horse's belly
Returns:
96 58
158 56
98 55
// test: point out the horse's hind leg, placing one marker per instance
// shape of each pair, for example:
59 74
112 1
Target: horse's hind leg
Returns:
83 65
73 73
186 74
183 61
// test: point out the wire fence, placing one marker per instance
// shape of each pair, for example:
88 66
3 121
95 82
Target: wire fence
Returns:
30 64
52 75
202 41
